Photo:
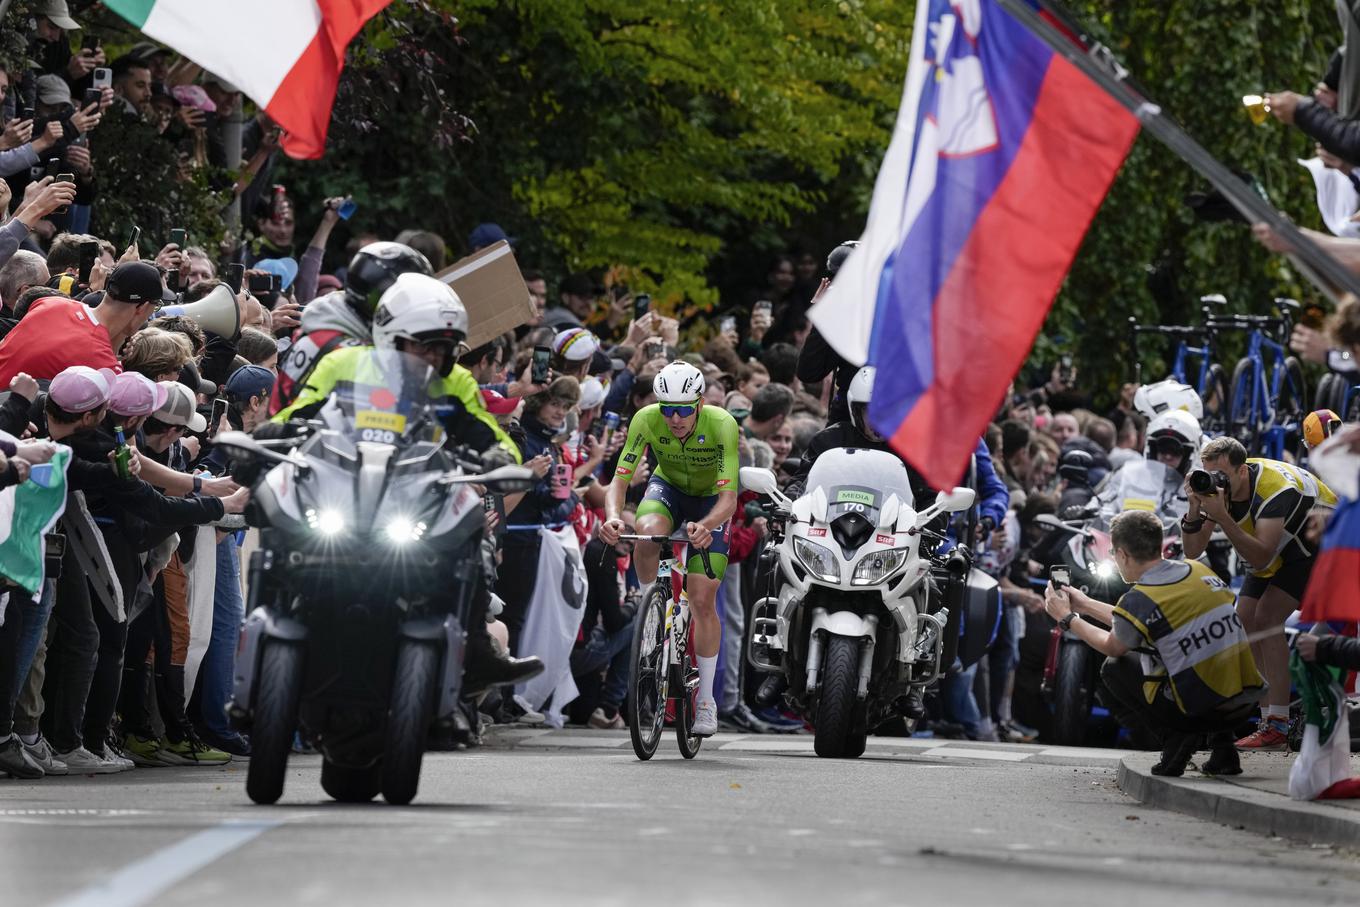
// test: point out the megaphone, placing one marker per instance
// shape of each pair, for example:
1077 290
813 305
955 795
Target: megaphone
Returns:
216 312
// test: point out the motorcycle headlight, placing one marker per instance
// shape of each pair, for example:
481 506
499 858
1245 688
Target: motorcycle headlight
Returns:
1105 570
819 559
328 523
877 566
402 530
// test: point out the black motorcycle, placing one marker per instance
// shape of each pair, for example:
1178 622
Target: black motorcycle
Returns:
361 588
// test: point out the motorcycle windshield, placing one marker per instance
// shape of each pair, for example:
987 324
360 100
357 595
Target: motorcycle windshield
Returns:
859 481
388 401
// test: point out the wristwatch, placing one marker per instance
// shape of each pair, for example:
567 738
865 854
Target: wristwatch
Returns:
1192 525
1066 622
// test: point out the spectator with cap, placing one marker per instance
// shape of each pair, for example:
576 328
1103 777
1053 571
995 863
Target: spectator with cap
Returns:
577 303
573 349
248 391
482 235
51 48
59 332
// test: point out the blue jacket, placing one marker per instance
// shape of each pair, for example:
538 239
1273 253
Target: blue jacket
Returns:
993 496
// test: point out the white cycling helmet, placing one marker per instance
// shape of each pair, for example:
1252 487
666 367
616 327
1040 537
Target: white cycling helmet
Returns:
857 396
1151 400
423 309
1176 427
678 382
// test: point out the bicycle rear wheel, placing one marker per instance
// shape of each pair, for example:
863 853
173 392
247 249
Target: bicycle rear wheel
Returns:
1244 422
1216 399
646 703
1292 405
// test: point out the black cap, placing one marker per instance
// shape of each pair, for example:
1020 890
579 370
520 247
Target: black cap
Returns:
137 282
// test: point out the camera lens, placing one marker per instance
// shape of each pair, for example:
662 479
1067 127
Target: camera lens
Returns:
1201 482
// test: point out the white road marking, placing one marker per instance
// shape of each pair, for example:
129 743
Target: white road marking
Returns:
568 741
141 882
961 752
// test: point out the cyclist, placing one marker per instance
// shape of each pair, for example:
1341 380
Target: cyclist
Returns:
694 486
1262 506
1318 426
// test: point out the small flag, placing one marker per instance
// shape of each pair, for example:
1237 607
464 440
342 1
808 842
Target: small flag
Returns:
1333 591
27 513
285 55
1001 155
1323 769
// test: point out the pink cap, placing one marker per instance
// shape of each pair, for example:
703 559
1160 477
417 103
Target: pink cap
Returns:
135 394
81 389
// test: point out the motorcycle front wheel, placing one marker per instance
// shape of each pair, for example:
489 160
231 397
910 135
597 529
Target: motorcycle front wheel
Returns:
1071 694
408 720
276 710
839 731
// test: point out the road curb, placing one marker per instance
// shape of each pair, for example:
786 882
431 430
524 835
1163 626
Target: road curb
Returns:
1222 801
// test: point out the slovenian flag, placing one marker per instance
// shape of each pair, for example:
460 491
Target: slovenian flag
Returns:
1001 155
285 55
1333 592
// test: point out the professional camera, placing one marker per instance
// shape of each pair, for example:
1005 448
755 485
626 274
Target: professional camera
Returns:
1203 482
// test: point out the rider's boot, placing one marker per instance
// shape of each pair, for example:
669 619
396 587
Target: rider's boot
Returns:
771 689
911 704
484 666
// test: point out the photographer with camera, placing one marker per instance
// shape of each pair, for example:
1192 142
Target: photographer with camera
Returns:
1262 507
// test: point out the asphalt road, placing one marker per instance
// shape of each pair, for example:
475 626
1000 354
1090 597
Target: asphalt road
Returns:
575 818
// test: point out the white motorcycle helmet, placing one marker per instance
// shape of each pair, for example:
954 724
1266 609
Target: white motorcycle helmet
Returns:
1151 400
858 395
678 383
1175 427
422 309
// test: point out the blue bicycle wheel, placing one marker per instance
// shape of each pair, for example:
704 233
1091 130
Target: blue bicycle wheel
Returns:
1244 422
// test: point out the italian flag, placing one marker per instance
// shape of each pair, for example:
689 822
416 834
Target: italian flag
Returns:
286 55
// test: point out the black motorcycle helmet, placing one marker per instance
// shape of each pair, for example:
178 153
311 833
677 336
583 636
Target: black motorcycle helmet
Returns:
838 256
1075 467
374 268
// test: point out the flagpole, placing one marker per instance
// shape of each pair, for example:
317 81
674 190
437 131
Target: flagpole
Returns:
1100 65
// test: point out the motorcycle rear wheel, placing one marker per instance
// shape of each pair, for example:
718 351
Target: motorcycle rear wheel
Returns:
351 785
836 726
1071 694
408 720
275 720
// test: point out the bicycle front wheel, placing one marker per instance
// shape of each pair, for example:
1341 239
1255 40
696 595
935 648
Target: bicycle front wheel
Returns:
1244 421
686 700
646 704
1215 398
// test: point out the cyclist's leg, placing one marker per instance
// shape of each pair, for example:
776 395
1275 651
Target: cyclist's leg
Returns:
703 595
655 516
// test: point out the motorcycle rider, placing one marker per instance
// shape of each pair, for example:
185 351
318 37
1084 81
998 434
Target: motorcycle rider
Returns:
344 317
1151 400
855 431
422 316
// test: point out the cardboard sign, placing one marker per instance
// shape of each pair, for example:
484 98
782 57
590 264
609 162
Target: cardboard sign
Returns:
493 291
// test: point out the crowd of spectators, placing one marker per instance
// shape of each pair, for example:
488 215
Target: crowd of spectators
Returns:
123 654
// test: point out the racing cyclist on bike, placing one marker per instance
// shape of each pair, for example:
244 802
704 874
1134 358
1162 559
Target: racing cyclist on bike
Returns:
694 485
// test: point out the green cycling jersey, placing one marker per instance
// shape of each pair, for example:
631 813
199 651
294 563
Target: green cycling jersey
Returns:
703 464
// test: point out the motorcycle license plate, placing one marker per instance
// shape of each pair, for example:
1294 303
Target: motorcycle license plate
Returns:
373 418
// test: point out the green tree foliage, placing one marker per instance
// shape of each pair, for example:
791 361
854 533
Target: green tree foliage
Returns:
642 133
1146 255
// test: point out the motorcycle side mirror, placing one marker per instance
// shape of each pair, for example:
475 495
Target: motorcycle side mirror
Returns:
243 445
956 501
508 479
1049 521
761 481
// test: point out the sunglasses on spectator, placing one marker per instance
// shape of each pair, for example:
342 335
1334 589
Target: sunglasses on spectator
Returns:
683 412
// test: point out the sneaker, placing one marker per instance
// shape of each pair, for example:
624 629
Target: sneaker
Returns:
237 745
742 718
1014 732
705 719
116 761
598 719
40 751
779 722
1265 739
523 713
81 761
144 751
192 751
16 762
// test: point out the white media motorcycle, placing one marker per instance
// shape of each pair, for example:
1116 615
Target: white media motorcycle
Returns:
863 610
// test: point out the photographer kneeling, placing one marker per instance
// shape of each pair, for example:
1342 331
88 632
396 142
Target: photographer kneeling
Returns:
1262 506
1193 676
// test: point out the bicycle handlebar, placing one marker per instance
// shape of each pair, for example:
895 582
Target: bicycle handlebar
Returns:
664 539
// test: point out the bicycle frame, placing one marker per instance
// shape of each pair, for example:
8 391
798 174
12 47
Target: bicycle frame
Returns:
1268 380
